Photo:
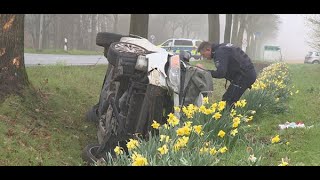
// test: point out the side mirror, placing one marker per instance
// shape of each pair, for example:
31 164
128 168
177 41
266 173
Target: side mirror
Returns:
170 44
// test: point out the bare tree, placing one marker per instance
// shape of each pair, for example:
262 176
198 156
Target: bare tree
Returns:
227 30
259 28
242 22
93 31
235 28
214 28
13 76
115 23
314 22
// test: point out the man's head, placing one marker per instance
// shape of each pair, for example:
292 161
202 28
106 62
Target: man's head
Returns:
205 49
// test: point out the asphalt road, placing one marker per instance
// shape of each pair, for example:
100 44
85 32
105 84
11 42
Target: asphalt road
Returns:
69 60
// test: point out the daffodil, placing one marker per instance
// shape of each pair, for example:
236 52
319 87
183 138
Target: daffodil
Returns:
287 143
203 150
164 138
214 107
163 149
275 139
132 144
233 112
139 160
236 122
118 150
166 126
238 104
213 151
173 120
176 109
181 142
202 109
283 163
217 116
205 100
221 133
197 129
221 105
208 111
252 158
223 150
243 102
155 125
185 130
234 132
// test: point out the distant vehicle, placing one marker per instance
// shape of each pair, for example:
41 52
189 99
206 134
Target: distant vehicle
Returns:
312 58
272 53
176 45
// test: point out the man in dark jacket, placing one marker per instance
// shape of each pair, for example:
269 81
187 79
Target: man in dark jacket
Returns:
232 64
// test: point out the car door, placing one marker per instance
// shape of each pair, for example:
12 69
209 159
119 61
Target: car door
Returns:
167 45
182 45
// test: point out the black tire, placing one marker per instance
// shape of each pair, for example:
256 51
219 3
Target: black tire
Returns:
315 62
89 154
114 54
104 39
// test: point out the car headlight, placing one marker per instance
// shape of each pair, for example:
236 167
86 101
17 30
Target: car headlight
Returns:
142 63
174 73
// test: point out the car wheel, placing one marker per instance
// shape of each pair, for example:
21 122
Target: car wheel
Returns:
124 50
104 39
315 62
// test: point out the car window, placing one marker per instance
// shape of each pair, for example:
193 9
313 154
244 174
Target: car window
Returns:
198 43
167 43
183 43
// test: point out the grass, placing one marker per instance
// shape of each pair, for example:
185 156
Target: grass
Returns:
304 143
61 51
47 127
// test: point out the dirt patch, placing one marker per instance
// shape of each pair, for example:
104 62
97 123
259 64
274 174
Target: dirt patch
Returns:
260 65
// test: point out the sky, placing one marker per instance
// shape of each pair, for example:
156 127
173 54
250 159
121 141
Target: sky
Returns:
292 36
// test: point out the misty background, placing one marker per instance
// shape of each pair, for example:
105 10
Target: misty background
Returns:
289 31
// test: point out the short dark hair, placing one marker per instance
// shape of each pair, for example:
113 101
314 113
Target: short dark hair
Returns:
204 45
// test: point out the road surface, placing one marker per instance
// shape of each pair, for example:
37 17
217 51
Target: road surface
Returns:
69 60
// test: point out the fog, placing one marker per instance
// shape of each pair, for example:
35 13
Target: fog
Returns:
292 36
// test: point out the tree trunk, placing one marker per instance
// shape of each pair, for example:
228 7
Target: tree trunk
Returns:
241 30
235 27
139 25
76 31
214 28
93 32
13 76
248 48
115 23
227 30
40 32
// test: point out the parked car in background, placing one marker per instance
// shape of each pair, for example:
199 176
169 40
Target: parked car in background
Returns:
176 45
312 58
